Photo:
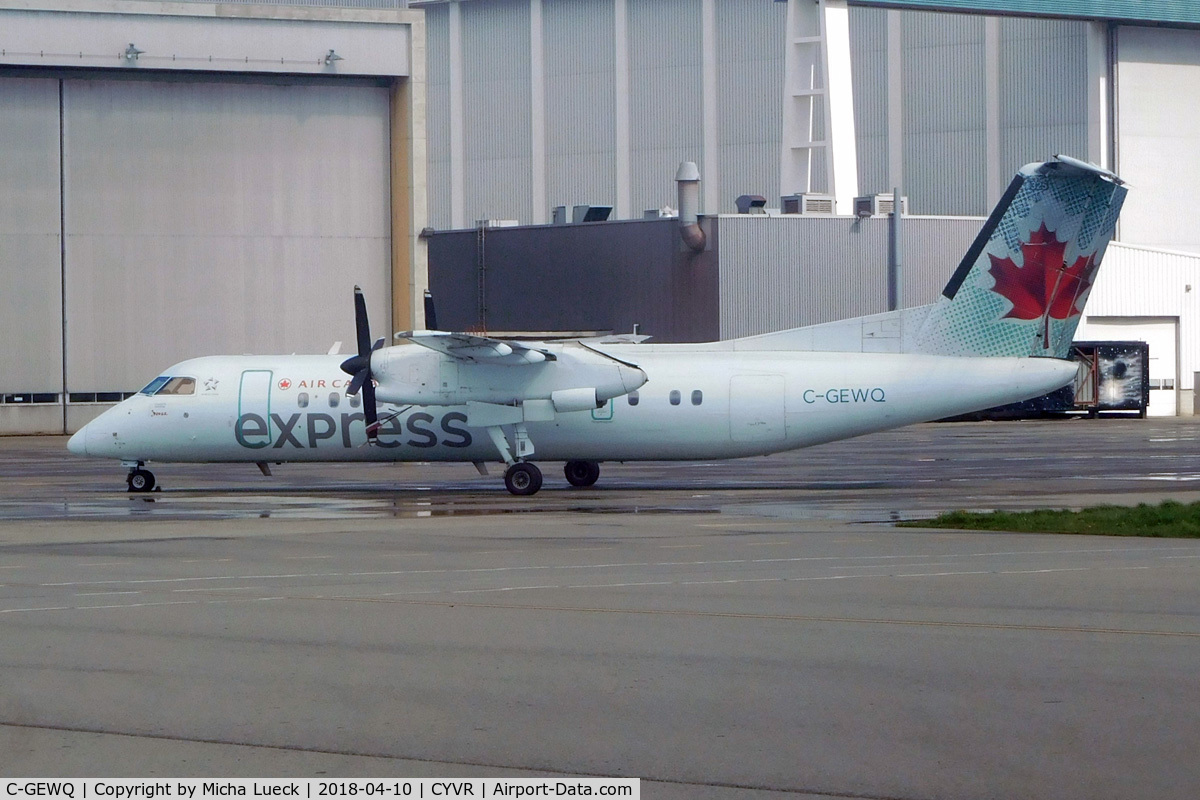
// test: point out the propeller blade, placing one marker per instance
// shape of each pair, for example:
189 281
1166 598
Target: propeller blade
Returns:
356 382
370 412
430 312
361 326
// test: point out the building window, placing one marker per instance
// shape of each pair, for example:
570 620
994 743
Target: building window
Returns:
302 399
633 398
697 397
675 397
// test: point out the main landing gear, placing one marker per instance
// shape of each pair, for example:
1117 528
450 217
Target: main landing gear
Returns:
139 479
523 478
581 473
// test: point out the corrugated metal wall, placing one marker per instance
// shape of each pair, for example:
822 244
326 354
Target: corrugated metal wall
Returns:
496 109
785 272
945 115
750 52
580 97
1043 91
437 113
1043 103
1141 282
665 97
868 54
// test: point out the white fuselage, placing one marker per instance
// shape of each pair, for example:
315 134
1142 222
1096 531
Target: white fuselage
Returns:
699 402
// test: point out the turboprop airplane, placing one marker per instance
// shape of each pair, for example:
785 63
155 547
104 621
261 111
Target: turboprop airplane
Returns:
1000 334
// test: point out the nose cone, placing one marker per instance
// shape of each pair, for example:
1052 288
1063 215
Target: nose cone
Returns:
632 377
77 444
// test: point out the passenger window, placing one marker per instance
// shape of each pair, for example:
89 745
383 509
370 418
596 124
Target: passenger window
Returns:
334 399
633 398
179 386
697 397
355 401
302 399
675 397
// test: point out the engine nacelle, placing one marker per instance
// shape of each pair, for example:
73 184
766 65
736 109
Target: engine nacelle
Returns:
565 400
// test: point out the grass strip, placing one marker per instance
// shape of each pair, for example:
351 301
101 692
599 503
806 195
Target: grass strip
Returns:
1170 519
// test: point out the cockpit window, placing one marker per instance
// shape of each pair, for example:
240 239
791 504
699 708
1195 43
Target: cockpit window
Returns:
179 386
165 384
156 384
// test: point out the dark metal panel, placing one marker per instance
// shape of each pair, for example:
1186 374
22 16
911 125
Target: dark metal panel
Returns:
589 277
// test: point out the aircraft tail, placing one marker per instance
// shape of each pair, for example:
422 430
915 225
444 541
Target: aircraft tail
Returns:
1022 285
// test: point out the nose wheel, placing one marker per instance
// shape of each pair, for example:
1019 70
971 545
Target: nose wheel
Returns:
140 480
523 479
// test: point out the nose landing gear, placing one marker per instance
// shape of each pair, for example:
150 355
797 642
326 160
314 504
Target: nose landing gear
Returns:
140 480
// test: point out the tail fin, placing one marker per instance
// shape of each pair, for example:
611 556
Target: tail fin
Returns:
1021 287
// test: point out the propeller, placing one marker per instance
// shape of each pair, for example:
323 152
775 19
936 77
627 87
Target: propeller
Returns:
359 366
430 312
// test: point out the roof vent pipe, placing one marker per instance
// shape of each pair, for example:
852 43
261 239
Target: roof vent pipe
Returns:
688 179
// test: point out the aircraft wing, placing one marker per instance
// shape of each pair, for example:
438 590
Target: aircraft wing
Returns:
481 349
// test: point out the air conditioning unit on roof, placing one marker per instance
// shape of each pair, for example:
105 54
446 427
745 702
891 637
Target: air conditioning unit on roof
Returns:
878 205
808 204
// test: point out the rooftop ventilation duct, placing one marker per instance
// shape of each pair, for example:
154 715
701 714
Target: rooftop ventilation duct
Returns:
687 179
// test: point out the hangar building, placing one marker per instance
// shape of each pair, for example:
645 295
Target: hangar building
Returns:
535 104
182 179
189 178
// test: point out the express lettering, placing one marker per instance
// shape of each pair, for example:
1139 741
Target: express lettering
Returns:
841 396
309 430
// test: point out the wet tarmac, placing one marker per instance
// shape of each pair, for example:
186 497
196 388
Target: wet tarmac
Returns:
907 474
739 630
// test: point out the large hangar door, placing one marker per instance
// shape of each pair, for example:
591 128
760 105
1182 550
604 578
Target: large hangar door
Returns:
207 217
30 258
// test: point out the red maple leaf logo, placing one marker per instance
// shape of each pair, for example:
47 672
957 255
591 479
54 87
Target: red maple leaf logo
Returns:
285 384
1046 286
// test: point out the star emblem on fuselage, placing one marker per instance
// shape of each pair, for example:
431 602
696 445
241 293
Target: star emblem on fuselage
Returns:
210 385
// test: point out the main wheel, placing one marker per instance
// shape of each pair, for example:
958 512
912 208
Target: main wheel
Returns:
581 473
523 478
140 480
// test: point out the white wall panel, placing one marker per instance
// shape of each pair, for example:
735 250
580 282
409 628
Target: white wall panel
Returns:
1142 282
496 109
750 55
206 217
30 252
580 98
1158 118
666 97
